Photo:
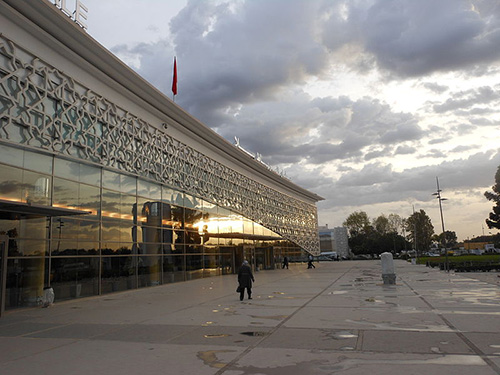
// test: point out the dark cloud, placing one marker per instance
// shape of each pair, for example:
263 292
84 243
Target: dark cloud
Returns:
413 38
378 182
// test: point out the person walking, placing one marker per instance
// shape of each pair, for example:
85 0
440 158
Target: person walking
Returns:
245 278
310 263
285 263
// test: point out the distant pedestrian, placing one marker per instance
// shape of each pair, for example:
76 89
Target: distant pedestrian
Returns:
285 263
245 278
310 262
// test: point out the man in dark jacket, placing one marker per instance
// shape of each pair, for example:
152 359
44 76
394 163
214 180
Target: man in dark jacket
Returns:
245 278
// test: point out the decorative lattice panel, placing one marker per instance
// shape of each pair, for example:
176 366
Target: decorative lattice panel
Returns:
44 108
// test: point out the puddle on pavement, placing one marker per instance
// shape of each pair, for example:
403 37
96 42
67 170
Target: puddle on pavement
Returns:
216 335
343 335
255 333
209 357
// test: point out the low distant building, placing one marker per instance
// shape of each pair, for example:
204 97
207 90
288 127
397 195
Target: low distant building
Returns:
333 240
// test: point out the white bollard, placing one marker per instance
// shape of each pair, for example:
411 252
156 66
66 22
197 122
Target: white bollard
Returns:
388 273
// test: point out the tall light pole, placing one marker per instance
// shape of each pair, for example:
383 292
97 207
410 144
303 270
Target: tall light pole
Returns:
438 196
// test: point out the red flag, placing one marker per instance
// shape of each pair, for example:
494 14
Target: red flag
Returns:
174 80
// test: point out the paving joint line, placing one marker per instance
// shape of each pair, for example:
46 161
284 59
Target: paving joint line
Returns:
460 334
278 326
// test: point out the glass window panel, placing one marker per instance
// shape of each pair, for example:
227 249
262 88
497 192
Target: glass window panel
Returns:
180 236
31 247
118 273
194 267
67 169
75 277
210 208
172 196
177 217
65 228
10 227
192 218
211 266
150 234
110 180
65 193
38 162
110 230
25 281
38 188
89 230
34 228
194 249
169 236
192 237
179 249
11 185
149 248
11 155
90 175
247 226
110 204
127 206
88 248
128 184
64 247
148 189
192 202
110 248
90 199
173 269
149 212
128 231
149 271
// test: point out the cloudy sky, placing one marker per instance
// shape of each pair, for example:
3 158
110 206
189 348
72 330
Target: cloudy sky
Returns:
364 102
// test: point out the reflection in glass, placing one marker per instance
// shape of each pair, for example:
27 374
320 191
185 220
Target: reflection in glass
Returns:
37 188
31 248
118 273
89 199
38 162
149 271
211 266
25 281
74 277
11 186
148 189
67 169
12 156
194 266
173 268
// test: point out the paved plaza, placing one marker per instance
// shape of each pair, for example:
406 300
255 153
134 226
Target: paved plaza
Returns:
336 319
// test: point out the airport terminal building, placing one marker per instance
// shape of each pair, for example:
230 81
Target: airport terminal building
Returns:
107 185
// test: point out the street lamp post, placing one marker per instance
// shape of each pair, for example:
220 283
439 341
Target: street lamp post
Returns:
438 196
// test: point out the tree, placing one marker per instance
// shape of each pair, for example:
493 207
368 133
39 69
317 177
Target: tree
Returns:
381 224
357 223
494 218
420 230
395 223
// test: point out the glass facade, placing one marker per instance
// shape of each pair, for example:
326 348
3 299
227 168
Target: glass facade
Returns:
134 233
94 199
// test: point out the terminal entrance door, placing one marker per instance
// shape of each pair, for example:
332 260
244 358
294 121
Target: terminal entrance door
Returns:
4 243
